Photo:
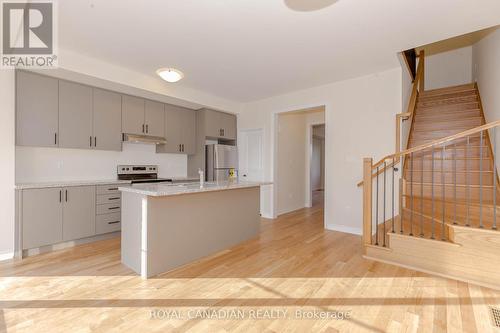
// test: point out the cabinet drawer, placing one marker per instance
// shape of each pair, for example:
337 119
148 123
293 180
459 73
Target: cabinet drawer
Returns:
109 198
107 223
108 208
106 189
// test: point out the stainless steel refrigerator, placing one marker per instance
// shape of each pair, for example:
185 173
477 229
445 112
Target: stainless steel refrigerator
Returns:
221 162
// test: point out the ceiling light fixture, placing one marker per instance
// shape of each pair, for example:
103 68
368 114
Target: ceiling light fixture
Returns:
170 74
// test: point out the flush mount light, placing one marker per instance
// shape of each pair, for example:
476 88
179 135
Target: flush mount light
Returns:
170 74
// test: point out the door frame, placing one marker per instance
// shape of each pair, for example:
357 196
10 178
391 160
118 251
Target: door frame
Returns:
274 147
309 151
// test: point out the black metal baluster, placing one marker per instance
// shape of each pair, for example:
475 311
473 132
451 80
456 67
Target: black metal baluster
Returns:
494 179
401 193
376 211
455 183
383 221
432 193
393 171
411 194
422 195
467 182
481 179
443 189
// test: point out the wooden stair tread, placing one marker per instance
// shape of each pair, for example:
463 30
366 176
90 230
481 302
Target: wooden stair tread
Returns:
467 86
474 203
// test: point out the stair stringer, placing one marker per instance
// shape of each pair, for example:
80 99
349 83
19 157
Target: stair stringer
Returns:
472 255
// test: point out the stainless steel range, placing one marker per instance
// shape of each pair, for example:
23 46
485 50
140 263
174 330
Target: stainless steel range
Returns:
138 174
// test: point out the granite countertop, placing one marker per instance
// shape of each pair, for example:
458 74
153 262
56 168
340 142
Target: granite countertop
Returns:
162 189
24 186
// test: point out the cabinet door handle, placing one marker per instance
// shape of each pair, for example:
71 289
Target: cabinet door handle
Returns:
111 208
114 198
147 128
142 128
55 138
66 195
95 141
180 148
90 141
114 222
113 189
60 195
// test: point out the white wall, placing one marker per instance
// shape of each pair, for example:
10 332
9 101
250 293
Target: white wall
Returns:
7 165
450 68
36 164
359 117
486 58
486 64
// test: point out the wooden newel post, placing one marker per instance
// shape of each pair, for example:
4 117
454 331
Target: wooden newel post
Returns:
367 200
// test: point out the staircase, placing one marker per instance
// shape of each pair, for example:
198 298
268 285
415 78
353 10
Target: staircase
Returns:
439 215
460 174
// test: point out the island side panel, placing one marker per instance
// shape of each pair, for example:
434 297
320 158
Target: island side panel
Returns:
185 228
131 233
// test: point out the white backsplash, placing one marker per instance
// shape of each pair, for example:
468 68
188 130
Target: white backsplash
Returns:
36 164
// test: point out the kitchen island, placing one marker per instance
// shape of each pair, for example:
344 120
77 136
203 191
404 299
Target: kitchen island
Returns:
165 226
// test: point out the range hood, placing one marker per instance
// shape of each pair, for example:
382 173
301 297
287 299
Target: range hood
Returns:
136 138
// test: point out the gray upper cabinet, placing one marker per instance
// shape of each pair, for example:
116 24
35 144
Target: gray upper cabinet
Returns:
133 115
188 131
154 118
75 115
37 110
180 130
78 212
228 123
107 120
220 125
213 126
173 131
41 217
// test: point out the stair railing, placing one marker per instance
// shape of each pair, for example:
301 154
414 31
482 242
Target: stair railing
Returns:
423 203
418 86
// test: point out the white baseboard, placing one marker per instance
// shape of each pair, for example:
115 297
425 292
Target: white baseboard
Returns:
345 229
6 256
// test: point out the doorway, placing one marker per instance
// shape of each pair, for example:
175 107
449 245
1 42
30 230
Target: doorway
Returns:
317 165
299 159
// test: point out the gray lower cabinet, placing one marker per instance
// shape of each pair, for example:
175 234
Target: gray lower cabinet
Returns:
36 110
180 130
154 118
53 215
108 209
78 212
133 115
75 115
42 217
107 120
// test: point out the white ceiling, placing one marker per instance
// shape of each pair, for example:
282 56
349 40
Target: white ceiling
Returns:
249 50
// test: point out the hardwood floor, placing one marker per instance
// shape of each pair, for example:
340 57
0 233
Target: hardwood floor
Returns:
294 265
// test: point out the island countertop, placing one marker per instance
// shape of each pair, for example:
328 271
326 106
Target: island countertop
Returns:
168 189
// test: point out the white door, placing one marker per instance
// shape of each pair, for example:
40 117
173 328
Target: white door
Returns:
251 163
